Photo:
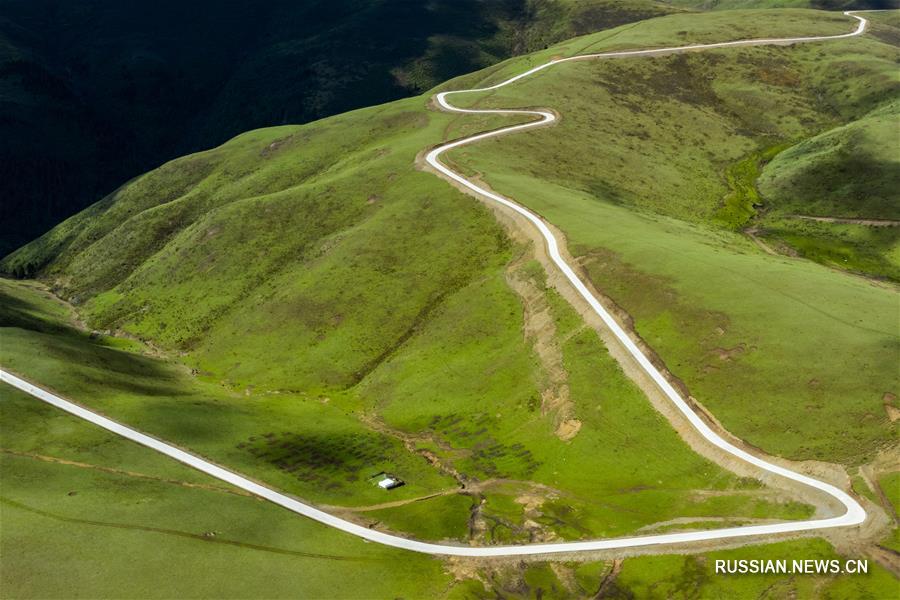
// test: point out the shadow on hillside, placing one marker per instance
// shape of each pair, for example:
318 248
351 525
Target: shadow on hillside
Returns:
121 370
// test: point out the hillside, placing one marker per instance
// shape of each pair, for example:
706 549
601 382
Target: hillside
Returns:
96 92
306 306
345 294
323 252
723 313
152 529
833 198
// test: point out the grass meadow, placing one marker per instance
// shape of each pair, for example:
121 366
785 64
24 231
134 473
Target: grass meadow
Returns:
790 356
304 306
117 520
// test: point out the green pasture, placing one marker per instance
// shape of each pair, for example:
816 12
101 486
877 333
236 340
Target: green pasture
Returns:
790 356
148 527
303 305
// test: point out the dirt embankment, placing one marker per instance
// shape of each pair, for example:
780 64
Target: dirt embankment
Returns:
540 329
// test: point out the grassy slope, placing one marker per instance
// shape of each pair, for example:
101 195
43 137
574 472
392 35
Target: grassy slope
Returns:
305 293
691 576
315 446
77 124
161 398
606 479
208 194
805 96
325 264
143 534
293 233
120 521
724 316
679 576
851 171
890 485
817 4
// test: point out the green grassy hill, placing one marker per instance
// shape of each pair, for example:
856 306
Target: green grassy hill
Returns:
850 173
116 520
317 260
305 306
96 92
791 356
87 514
368 317
817 4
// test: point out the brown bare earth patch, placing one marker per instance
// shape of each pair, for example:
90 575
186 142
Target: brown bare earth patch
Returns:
540 329
609 580
687 521
764 493
464 569
531 502
568 429
889 400
727 355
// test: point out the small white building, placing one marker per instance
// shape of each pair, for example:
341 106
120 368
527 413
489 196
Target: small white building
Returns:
389 483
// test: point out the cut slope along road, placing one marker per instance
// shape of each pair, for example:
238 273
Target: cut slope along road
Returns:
854 514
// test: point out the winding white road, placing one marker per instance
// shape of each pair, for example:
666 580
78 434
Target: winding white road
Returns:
853 515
